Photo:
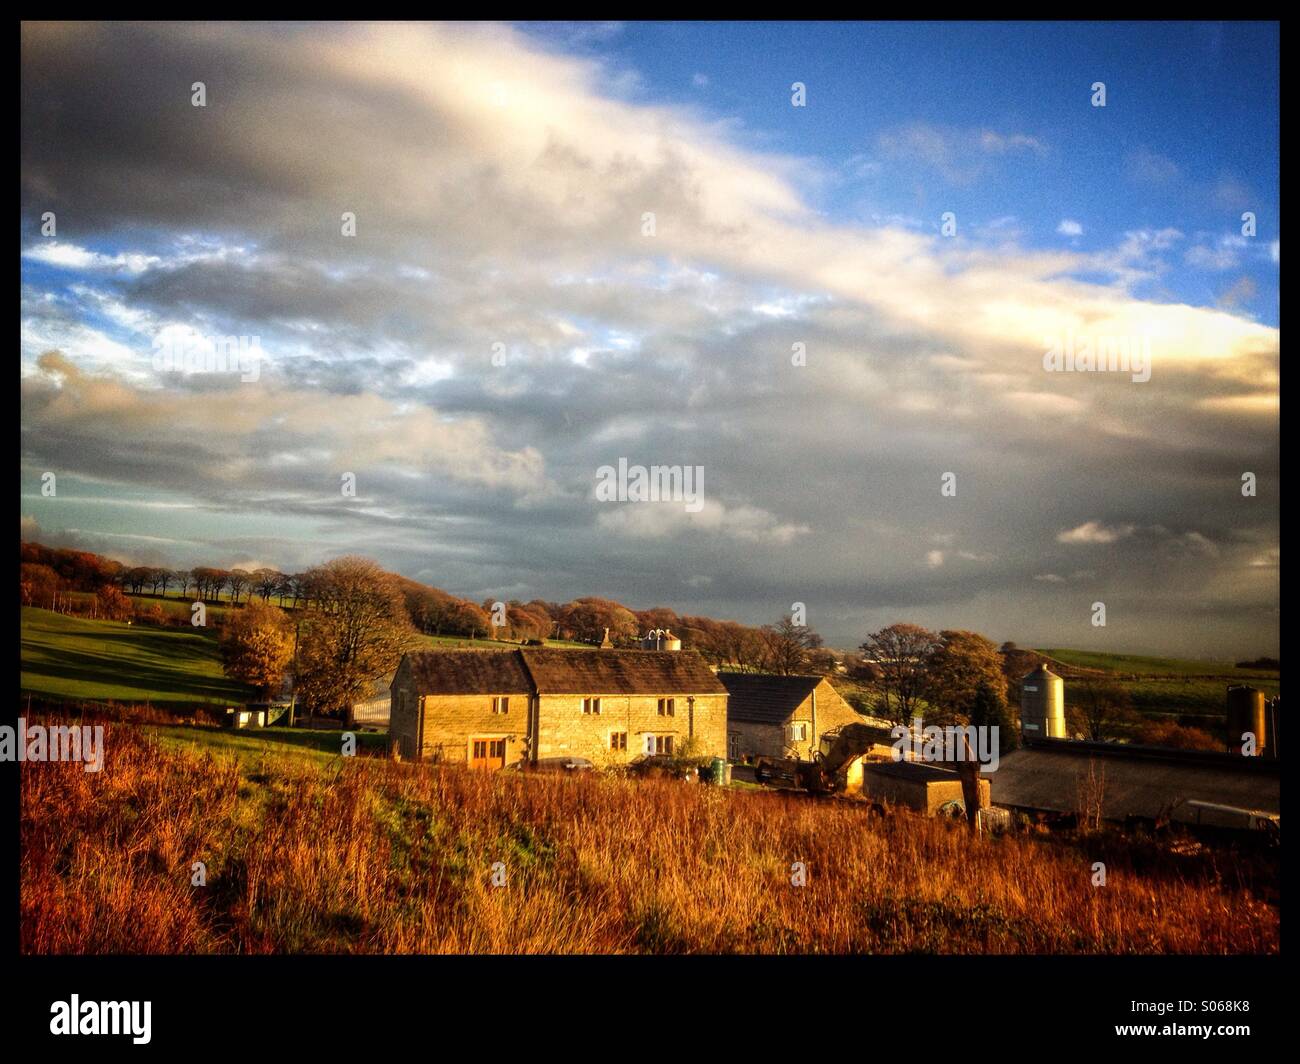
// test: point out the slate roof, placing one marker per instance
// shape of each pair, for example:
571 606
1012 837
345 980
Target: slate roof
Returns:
1049 774
561 672
620 672
913 771
759 698
469 672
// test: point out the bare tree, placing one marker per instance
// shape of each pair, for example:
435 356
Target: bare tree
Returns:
901 652
788 647
238 581
1098 708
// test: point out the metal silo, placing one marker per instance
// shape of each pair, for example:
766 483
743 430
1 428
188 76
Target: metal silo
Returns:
1042 705
1246 714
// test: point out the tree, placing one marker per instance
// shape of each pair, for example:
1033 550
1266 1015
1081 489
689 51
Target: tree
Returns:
38 584
956 668
587 618
266 582
354 631
788 647
256 646
989 709
238 581
901 652
1097 708
1178 736
159 578
111 604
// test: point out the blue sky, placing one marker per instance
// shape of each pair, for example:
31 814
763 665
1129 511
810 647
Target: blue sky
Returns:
502 176
1189 132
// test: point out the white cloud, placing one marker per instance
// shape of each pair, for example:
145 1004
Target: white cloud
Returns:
1069 227
1094 532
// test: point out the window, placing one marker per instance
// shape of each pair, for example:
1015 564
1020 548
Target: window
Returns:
618 740
485 749
591 705
500 704
667 707
659 744
799 732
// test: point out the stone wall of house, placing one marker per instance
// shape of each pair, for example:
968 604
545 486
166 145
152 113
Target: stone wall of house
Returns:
403 715
564 730
452 722
746 740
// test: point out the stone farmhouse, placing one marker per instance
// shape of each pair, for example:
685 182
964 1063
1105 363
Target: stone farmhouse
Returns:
781 716
493 708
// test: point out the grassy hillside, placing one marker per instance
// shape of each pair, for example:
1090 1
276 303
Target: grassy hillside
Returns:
1172 687
1137 665
365 855
74 658
252 747
71 658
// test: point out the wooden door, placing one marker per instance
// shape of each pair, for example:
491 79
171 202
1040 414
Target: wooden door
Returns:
488 754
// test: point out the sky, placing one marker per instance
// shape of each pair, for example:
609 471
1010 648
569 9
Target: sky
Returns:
841 270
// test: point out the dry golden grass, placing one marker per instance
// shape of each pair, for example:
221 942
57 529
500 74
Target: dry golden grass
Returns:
363 855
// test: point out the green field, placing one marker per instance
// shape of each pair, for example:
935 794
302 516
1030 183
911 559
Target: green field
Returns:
251 746
71 658
1175 687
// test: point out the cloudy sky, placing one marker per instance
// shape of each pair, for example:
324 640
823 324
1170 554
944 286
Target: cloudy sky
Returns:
822 263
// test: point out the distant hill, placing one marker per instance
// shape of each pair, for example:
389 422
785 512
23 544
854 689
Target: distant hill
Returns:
1172 687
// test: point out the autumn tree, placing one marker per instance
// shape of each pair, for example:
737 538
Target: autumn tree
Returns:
111 604
957 666
38 584
901 653
354 631
587 618
256 646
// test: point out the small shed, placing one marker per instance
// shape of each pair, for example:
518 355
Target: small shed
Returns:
251 716
918 785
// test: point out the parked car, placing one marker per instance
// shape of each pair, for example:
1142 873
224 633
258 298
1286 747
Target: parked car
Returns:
558 764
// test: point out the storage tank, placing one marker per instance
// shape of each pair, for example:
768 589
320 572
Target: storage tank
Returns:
1246 714
1042 705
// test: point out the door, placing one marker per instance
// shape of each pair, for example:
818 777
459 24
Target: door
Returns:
487 754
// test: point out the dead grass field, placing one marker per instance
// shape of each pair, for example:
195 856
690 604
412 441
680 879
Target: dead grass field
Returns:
310 855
